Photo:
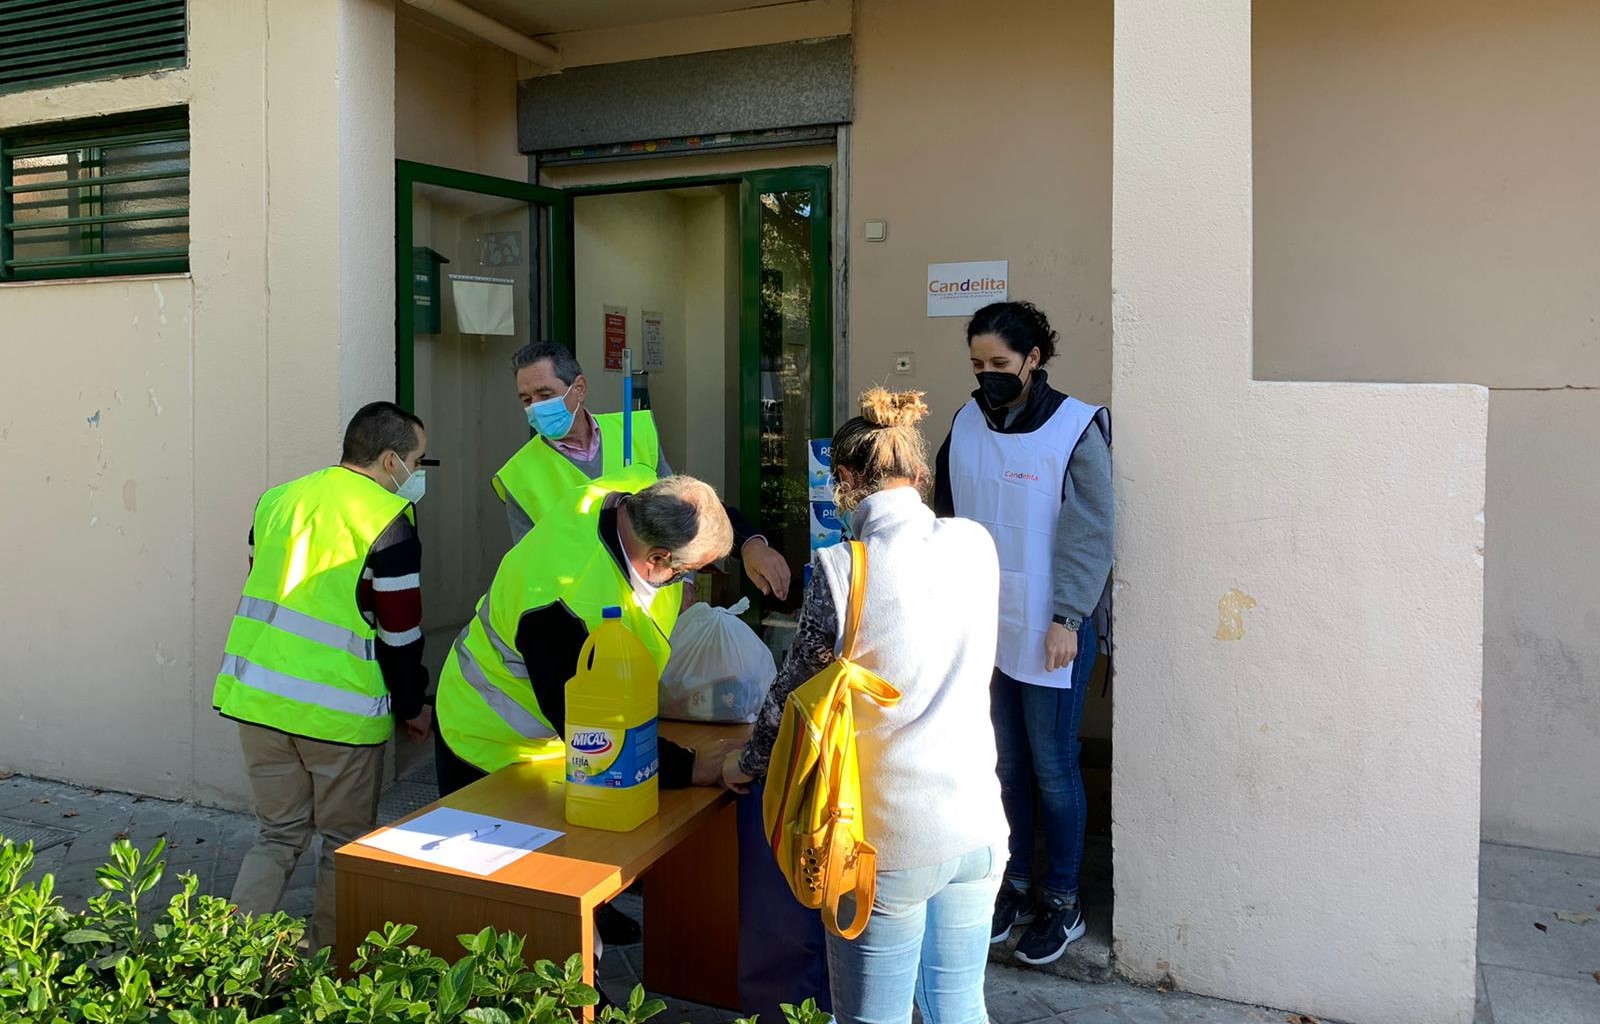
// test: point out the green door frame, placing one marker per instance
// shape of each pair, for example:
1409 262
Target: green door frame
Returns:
752 184
555 264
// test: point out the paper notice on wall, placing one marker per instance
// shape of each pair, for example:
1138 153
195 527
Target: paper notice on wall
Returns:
484 305
961 289
616 336
655 341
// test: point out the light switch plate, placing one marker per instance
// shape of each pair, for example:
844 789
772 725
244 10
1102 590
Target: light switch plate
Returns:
877 230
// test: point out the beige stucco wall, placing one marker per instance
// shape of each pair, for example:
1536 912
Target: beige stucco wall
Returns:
711 334
1426 210
208 388
628 252
96 582
455 102
1012 161
1541 727
1300 606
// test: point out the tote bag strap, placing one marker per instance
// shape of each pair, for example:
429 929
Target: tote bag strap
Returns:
840 855
865 860
858 597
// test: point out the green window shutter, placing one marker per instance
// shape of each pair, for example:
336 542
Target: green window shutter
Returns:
107 197
44 42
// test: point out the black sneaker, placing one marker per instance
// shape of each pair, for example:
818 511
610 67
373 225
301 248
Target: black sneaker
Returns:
1056 926
615 927
1011 908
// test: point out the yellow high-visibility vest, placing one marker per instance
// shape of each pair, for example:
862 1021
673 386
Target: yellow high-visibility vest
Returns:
300 656
488 714
538 477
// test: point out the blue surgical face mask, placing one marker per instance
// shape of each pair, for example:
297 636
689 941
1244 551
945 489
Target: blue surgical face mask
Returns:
551 417
416 483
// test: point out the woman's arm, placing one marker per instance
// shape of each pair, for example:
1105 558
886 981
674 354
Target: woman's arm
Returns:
1085 531
813 651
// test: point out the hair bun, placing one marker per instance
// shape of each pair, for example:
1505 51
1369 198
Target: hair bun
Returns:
884 408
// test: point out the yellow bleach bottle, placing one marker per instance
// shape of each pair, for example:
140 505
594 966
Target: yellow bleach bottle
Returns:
611 731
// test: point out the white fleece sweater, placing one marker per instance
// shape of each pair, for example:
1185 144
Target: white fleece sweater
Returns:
930 792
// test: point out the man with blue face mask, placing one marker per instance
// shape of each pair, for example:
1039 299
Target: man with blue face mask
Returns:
325 653
575 447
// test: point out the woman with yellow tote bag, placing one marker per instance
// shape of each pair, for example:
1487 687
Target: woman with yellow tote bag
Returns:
929 799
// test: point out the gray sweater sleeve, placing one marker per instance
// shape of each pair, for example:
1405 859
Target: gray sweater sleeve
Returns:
519 521
1085 530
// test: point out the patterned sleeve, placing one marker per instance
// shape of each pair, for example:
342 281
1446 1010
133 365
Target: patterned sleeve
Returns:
390 596
813 650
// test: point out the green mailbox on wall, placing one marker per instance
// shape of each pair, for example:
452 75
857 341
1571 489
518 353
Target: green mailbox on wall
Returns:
429 309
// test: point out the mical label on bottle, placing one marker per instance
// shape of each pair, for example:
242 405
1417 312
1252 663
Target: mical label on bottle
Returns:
611 757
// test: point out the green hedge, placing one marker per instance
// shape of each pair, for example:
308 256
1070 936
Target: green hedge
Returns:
201 961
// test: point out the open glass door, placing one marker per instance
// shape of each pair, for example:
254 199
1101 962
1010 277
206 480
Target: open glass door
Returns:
481 271
787 363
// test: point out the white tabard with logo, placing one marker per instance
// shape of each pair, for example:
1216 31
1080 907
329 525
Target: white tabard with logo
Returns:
1011 483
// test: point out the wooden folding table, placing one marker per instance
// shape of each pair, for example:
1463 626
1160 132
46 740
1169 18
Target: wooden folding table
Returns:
687 856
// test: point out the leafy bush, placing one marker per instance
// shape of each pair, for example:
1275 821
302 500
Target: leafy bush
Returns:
204 962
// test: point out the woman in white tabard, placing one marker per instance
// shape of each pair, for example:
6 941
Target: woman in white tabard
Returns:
929 792
1033 465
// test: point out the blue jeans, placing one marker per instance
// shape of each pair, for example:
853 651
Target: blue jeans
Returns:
782 955
1036 733
927 940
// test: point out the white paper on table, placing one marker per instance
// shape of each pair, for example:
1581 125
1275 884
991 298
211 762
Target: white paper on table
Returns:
462 840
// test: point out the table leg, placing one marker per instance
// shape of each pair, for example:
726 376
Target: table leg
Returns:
691 917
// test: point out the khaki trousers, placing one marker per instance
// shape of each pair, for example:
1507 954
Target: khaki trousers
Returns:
303 787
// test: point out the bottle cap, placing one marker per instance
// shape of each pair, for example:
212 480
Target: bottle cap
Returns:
612 613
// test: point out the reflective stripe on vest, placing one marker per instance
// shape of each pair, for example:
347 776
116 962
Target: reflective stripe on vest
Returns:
508 654
537 477
304 691
513 714
290 621
487 711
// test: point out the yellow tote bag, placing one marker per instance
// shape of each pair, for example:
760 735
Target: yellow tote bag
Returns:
812 804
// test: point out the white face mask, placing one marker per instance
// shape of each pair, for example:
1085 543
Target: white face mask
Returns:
644 591
414 487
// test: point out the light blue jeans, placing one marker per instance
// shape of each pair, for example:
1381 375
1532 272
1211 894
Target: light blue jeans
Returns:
927 940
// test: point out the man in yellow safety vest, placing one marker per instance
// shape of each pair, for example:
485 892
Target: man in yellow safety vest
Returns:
502 691
325 653
575 447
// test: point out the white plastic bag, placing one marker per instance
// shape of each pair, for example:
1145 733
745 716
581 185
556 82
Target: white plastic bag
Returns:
719 671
